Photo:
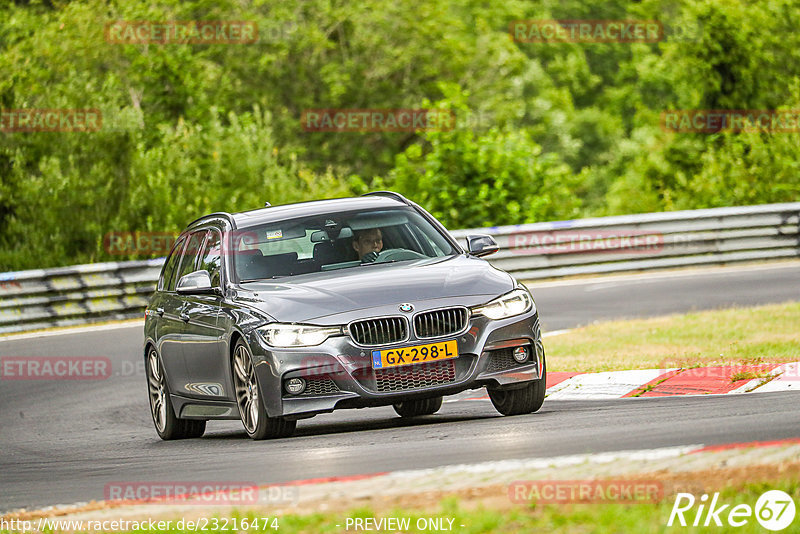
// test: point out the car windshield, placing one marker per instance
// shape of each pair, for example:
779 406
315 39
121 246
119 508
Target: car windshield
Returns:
335 241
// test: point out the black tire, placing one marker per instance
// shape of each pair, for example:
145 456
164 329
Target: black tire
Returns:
167 424
418 407
527 399
252 413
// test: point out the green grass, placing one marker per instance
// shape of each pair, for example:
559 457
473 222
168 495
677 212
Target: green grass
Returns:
734 336
597 518
750 375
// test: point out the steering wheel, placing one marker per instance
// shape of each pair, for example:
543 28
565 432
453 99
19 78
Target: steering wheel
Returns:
398 254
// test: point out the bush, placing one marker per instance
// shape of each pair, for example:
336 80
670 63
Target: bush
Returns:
469 179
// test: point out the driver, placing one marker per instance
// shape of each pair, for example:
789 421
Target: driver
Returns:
367 244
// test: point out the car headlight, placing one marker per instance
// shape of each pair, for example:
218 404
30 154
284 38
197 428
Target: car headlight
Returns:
511 304
297 335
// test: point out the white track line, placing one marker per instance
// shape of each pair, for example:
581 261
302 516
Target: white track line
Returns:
554 461
655 275
557 332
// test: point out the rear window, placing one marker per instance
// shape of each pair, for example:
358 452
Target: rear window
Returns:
170 265
211 260
189 256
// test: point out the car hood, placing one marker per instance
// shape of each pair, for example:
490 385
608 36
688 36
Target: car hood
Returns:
338 295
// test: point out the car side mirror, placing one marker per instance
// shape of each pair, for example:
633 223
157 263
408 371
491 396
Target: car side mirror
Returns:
196 283
481 245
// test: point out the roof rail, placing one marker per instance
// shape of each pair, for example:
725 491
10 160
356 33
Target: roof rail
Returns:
222 214
390 194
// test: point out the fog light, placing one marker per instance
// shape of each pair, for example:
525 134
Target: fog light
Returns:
520 354
295 386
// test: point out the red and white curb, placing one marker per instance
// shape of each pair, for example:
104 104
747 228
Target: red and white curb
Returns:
717 380
607 385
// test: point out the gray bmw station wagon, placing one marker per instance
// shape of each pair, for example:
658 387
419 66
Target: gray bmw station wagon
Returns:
286 312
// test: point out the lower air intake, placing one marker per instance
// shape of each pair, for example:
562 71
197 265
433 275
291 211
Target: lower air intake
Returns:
415 376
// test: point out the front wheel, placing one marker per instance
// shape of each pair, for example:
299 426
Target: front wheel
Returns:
168 425
251 410
522 400
418 407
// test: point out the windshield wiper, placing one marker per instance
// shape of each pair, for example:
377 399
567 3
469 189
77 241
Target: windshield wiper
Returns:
379 262
261 279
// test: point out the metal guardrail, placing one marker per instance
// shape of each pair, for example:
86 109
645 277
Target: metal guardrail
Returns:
646 241
80 294
104 291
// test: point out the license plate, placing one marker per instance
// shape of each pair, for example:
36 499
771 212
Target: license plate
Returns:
443 350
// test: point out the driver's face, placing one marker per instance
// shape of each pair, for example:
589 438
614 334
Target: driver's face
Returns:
369 242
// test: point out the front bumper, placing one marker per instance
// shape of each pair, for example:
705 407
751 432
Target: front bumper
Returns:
339 373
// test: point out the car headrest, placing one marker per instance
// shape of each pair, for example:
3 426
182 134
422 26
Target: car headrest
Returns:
245 259
274 265
251 252
324 253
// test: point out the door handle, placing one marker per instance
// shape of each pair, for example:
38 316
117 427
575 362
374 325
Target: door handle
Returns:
185 317
160 312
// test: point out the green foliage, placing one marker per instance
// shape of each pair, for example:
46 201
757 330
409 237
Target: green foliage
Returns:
545 131
483 179
69 203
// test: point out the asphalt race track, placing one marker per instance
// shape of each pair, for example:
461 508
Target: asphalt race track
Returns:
63 441
573 303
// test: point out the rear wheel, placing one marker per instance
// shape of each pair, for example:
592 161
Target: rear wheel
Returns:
167 424
251 410
527 399
418 407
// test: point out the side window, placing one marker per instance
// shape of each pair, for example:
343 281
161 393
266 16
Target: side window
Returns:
190 256
170 265
211 260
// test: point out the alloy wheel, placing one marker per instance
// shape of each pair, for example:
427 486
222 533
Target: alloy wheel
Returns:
155 381
246 388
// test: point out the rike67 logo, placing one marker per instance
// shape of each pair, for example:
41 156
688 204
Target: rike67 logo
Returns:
774 510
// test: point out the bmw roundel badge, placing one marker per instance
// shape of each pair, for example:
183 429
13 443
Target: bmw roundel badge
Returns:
406 307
